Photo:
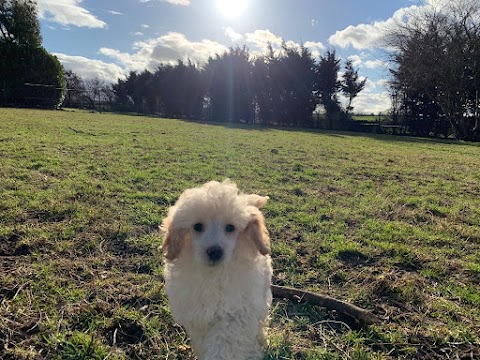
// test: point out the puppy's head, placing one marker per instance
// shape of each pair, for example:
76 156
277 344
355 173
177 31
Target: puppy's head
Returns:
215 219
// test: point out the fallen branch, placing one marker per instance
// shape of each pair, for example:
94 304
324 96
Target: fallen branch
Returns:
355 312
345 308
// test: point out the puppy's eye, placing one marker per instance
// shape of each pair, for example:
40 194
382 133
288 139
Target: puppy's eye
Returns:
198 227
229 228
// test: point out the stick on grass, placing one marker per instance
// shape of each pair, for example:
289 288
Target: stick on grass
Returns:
311 298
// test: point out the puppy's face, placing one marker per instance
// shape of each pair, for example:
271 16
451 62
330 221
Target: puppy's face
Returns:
213 241
215 219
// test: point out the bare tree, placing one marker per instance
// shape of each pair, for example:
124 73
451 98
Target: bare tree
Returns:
93 91
108 96
437 53
75 89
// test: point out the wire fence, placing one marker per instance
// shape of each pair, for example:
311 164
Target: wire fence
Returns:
46 95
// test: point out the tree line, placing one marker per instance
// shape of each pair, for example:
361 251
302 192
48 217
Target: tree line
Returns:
279 88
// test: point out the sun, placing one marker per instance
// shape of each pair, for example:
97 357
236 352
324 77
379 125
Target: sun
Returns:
232 9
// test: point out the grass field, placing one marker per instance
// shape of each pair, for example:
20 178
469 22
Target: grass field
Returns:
391 224
371 118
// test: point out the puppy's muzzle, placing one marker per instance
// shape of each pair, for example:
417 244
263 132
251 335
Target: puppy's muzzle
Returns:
215 254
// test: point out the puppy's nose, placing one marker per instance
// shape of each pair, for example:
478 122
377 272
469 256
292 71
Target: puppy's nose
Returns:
214 253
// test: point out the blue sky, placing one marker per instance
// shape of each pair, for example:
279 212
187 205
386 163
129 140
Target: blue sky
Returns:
109 38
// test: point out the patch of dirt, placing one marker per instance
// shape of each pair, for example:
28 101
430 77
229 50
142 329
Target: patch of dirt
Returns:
126 332
9 245
122 248
50 216
117 242
352 257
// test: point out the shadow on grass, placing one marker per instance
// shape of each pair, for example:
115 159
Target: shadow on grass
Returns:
412 139
336 133
333 133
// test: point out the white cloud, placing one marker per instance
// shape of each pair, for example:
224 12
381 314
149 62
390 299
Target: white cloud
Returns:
113 12
373 99
385 83
136 62
315 48
138 33
375 64
68 12
169 48
370 86
370 36
261 39
233 35
174 46
293 45
145 26
179 2
356 60
375 35
89 68
362 36
368 102
312 44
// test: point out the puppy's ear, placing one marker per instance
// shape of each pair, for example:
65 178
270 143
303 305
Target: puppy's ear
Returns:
257 233
174 240
257 200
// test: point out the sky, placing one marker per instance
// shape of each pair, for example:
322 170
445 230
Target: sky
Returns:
109 38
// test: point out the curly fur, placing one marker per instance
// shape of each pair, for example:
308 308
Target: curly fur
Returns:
222 304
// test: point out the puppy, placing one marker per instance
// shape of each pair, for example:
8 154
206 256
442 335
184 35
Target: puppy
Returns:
218 270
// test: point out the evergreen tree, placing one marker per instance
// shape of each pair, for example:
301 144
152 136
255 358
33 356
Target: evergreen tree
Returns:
19 23
328 87
137 93
296 76
181 89
351 85
284 86
267 90
29 75
229 84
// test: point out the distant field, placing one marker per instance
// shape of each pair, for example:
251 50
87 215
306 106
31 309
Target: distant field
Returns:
371 118
391 224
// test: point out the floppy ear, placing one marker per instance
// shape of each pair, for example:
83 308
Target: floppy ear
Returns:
257 200
257 232
174 240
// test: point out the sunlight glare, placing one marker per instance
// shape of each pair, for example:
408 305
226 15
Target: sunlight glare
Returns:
232 8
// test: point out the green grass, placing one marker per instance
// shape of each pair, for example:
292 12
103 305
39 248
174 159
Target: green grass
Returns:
371 118
388 223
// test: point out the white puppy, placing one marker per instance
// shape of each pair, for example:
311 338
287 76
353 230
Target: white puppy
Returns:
218 270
